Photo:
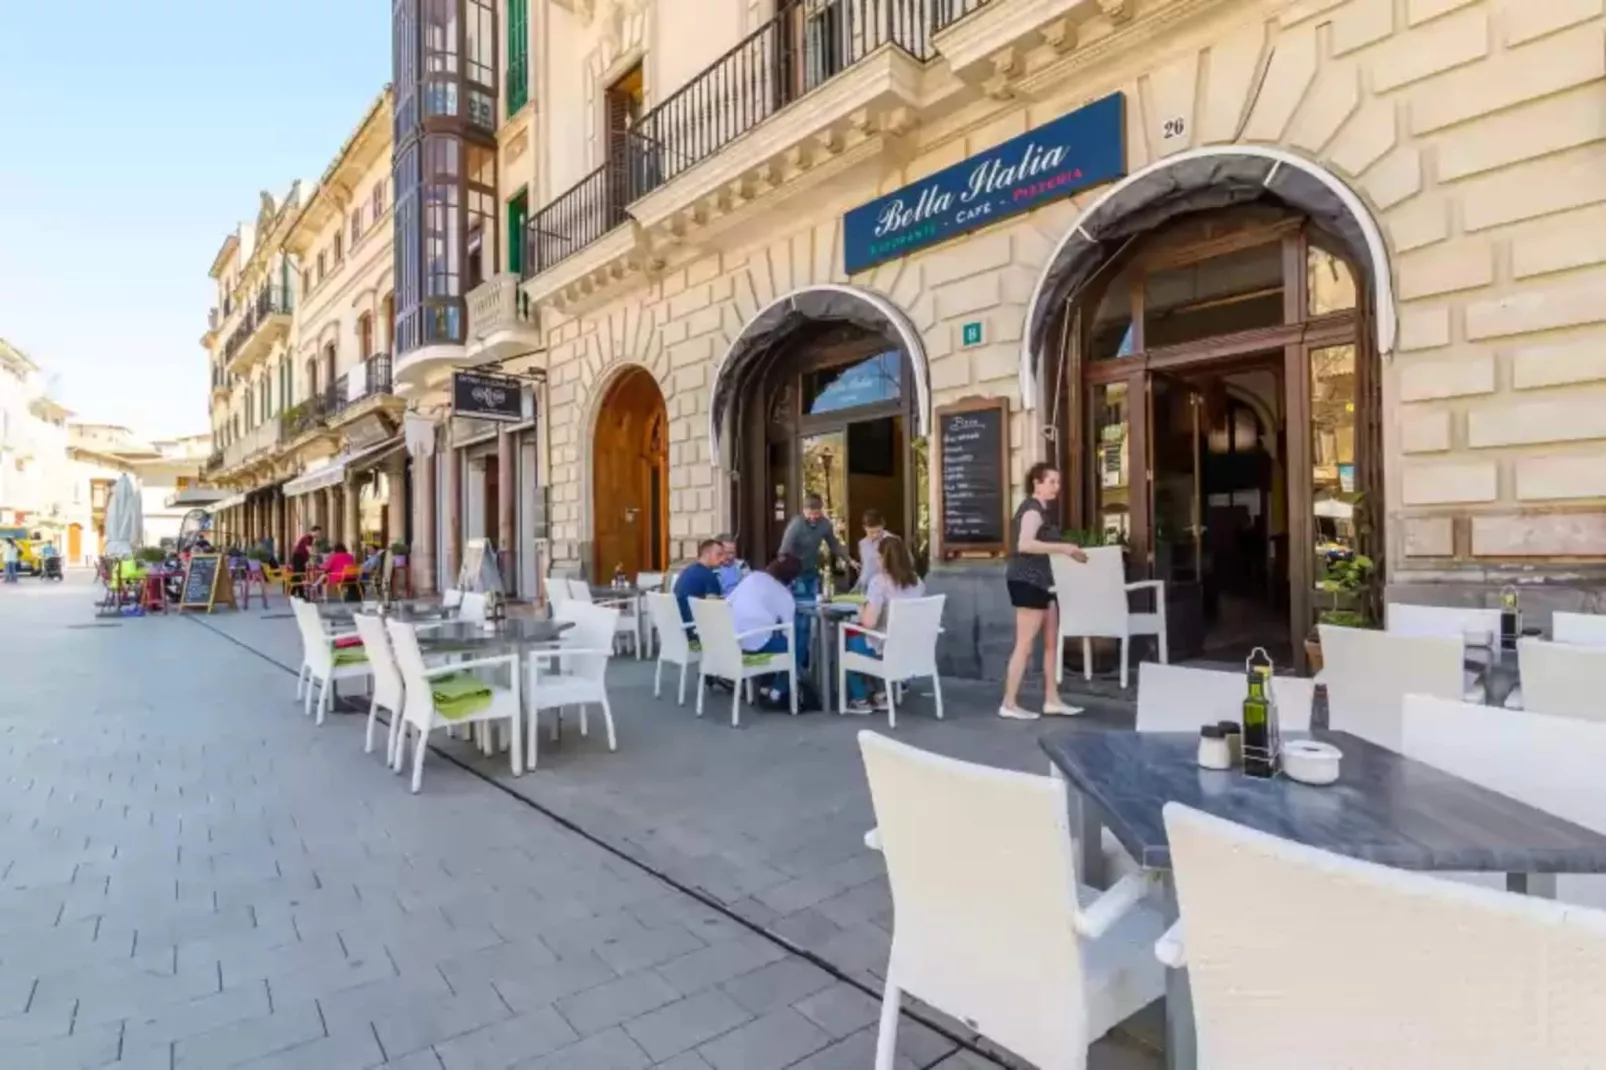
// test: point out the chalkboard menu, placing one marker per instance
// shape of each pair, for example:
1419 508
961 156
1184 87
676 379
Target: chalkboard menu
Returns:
200 580
206 583
974 476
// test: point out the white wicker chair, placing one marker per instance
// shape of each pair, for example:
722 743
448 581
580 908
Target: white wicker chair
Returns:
322 665
1563 679
1580 629
388 689
1369 673
578 673
1301 958
1447 622
723 657
674 645
1551 763
418 705
1094 604
991 925
909 650
1172 698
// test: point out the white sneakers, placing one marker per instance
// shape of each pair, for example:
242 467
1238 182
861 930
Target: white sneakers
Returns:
1050 709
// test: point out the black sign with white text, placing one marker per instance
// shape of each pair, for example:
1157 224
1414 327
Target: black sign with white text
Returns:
487 397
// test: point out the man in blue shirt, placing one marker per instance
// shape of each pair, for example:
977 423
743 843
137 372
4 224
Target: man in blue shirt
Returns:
731 569
698 580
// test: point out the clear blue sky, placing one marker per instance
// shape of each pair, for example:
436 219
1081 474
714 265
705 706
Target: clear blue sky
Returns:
133 137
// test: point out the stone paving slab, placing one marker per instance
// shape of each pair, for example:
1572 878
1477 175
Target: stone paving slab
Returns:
201 877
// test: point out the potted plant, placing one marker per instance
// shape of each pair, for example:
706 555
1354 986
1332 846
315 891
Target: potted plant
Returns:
150 555
1347 582
398 553
323 545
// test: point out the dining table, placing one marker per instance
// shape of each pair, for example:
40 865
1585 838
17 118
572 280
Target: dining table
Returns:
631 599
826 616
408 612
1385 808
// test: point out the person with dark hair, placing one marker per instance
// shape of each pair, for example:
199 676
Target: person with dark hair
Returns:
764 600
342 572
1033 536
802 539
698 580
895 578
875 529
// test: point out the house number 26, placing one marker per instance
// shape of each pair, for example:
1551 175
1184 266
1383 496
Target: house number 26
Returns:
1173 128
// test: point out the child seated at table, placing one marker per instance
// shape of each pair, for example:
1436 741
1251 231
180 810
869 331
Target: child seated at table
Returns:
341 569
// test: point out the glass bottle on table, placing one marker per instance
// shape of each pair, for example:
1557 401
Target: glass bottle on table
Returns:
1260 734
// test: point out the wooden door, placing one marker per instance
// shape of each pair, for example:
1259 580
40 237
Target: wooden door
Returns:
630 479
75 543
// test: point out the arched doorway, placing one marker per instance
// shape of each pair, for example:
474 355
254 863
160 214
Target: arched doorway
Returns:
824 391
1214 393
630 478
831 412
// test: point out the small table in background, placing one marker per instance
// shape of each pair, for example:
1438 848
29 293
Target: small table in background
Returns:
825 618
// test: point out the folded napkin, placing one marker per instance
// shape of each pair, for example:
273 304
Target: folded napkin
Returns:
460 695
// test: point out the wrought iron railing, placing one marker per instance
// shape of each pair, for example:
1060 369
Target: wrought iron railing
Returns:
270 301
374 379
945 13
574 219
802 47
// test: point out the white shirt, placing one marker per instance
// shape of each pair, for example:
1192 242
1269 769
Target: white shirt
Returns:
869 562
760 600
12 554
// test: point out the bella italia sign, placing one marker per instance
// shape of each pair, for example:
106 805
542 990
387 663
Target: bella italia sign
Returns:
1082 149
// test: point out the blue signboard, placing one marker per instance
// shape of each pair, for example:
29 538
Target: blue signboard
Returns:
1070 154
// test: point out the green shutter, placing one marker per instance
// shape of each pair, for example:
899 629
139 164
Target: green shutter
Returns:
518 213
517 76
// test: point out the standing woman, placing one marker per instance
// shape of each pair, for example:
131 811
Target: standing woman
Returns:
1033 536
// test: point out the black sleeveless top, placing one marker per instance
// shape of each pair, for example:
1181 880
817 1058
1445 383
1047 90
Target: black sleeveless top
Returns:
1031 568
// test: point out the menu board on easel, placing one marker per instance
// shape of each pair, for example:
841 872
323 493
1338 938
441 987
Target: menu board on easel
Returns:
207 583
973 477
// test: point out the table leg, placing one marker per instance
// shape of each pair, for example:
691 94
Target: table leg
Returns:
822 664
1540 885
1090 842
1181 1044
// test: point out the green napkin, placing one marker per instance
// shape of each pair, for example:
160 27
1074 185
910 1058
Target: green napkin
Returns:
460 695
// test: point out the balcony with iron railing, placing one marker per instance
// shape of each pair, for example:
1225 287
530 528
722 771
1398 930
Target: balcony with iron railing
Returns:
262 323
370 378
801 53
502 321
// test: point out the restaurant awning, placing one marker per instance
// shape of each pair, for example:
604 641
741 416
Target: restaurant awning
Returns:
330 474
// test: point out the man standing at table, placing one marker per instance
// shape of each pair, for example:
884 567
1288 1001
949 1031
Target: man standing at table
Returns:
875 529
802 540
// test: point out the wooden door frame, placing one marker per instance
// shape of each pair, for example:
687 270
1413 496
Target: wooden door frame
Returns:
1294 340
659 417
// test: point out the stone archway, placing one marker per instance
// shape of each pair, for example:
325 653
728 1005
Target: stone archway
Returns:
630 477
1216 176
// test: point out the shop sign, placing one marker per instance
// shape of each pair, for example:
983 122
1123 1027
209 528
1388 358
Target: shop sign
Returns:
1070 154
970 334
487 397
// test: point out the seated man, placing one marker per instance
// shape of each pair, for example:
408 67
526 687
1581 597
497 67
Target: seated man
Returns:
765 599
698 580
731 568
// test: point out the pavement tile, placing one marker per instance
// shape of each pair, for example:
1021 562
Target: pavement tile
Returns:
608 1004
545 984
721 962
611 1049
252 1038
495 1047
841 1009
775 1041
673 1029
780 984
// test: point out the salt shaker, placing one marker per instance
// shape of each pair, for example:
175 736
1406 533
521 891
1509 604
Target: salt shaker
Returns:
1233 733
1214 750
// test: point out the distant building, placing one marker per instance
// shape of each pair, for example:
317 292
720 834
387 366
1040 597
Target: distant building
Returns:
33 447
167 472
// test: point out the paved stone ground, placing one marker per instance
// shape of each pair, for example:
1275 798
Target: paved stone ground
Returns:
192 875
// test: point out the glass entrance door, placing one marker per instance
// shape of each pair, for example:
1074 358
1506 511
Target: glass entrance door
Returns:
1176 507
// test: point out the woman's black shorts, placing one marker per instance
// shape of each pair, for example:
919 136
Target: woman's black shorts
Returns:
1024 595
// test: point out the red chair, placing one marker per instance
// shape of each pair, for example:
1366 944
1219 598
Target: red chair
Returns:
153 592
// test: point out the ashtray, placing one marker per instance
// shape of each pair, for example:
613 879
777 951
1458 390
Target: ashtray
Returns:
1311 762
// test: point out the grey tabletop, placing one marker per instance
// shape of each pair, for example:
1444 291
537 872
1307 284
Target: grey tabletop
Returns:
1386 808
403 611
514 633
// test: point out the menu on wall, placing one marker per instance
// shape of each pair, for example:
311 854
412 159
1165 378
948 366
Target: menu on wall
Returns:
974 483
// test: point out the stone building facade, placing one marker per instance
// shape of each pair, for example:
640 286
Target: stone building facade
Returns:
1459 144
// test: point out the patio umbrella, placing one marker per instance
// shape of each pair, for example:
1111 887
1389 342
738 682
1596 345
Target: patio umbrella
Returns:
125 519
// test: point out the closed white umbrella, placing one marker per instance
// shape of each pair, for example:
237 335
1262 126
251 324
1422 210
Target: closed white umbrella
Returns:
125 518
